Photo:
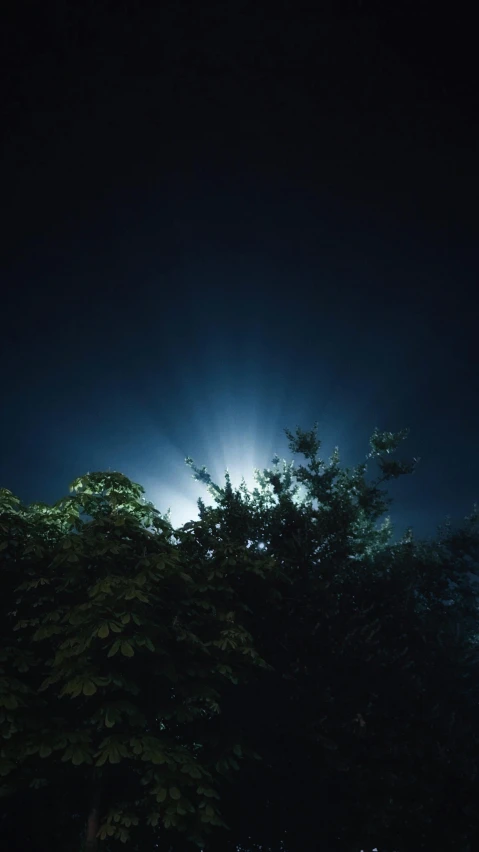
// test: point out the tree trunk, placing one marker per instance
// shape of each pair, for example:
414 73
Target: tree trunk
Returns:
93 822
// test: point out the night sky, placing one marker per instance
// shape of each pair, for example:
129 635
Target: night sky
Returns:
223 219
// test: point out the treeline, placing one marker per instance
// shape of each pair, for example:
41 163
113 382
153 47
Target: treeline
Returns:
277 675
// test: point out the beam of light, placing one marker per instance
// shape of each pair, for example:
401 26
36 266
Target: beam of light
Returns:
226 408
235 452
228 424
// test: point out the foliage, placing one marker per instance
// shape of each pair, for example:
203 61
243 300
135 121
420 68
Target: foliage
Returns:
112 647
284 629
367 721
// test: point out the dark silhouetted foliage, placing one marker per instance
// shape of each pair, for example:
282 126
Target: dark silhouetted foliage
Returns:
279 666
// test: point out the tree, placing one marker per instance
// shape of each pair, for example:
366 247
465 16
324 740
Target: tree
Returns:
283 628
112 649
367 720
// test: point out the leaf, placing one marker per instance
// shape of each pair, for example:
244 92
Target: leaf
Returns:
127 650
207 791
106 831
102 759
114 648
78 756
161 794
175 793
37 783
111 716
113 754
89 688
104 631
192 770
136 745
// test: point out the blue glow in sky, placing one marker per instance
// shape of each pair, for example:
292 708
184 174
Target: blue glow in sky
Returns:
227 258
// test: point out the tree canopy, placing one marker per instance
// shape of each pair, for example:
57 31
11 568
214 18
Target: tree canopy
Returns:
111 648
278 674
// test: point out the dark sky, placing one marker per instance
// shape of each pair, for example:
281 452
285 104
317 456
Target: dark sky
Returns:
223 219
